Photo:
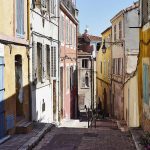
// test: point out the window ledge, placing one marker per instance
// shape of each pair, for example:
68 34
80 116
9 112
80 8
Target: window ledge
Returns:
85 87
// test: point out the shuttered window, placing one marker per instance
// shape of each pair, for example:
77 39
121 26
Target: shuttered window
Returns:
146 83
53 61
53 7
39 62
20 17
148 9
48 61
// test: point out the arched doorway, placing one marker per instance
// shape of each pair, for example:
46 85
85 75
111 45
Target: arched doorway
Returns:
105 101
19 88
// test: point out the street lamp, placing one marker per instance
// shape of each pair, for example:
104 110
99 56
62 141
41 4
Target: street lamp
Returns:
112 43
104 47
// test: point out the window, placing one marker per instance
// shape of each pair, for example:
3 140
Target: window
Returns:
119 66
39 62
20 17
48 61
85 81
114 66
101 67
75 37
109 69
67 32
71 34
52 7
84 63
115 34
53 61
104 68
62 28
120 30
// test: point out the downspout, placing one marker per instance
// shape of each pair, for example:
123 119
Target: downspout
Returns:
77 97
29 71
124 70
59 111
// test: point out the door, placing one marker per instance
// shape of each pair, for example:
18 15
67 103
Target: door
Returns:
19 88
105 102
54 100
2 128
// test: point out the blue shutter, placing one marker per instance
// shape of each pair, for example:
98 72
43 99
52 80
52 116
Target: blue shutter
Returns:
1 97
20 17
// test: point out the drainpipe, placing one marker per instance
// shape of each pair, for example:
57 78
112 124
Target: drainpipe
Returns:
77 97
124 69
29 71
59 111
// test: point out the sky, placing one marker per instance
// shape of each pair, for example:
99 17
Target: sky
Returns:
96 14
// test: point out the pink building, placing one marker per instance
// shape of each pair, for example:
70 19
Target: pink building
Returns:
68 51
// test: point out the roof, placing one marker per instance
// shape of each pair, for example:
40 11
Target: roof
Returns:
134 6
94 38
106 30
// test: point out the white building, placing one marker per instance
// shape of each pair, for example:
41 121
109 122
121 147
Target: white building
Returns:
44 60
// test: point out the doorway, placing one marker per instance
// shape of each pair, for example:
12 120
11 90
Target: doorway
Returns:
54 100
105 102
61 92
19 88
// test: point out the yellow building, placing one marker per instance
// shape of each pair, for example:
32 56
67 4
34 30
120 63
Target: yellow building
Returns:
144 67
14 66
103 76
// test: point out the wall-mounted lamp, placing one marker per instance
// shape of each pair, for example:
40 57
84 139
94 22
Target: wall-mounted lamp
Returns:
104 47
112 43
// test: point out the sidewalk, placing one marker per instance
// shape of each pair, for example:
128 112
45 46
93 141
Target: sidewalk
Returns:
135 132
27 141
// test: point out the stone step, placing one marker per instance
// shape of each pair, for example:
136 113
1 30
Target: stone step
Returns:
24 127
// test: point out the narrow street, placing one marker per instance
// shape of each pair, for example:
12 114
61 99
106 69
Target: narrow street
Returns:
106 136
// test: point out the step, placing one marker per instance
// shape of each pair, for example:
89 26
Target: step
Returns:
24 127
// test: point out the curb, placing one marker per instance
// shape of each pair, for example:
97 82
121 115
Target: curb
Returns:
137 145
36 139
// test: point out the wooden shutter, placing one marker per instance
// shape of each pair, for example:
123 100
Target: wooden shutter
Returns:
43 63
34 61
146 83
55 62
20 17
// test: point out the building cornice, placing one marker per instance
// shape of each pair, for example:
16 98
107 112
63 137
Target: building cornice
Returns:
66 11
13 40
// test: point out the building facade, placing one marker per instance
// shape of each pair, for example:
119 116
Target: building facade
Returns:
68 24
14 65
125 50
103 76
117 65
131 49
87 50
44 62
144 65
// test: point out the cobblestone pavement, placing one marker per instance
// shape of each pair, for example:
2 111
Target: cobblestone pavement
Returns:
105 137
16 141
